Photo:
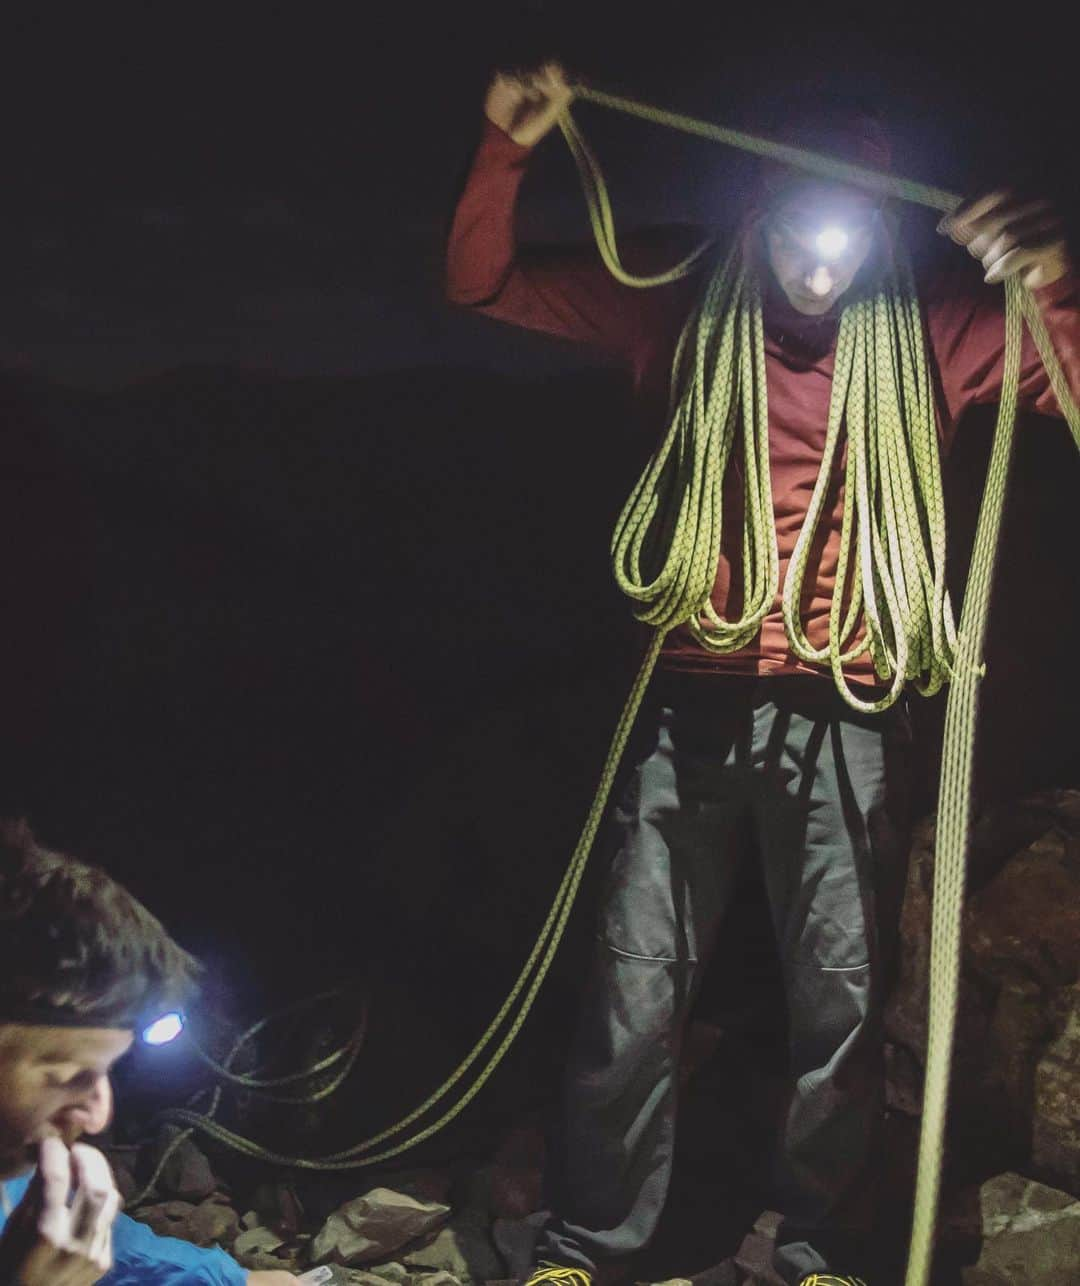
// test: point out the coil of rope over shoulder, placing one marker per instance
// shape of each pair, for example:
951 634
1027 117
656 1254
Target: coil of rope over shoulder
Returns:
884 407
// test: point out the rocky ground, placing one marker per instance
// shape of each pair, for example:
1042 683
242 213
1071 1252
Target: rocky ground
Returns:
1011 1198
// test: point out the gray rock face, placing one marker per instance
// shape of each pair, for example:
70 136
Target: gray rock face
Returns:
373 1226
1031 1235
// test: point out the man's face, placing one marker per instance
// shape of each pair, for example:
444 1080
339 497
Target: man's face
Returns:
53 1081
816 240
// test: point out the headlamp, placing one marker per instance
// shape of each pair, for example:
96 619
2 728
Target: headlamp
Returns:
831 241
164 1029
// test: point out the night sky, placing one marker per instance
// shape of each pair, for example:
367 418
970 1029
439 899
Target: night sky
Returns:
310 629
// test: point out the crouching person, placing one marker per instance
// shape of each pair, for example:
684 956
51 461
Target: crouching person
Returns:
82 963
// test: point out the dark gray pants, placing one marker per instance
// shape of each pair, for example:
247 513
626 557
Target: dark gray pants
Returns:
825 791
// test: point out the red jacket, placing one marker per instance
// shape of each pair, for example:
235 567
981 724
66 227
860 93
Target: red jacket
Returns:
569 293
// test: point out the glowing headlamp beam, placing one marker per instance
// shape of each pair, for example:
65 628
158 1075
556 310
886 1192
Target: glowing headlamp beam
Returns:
831 242
163 1030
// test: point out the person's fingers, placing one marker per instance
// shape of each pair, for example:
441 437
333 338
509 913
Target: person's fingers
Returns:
957 223
55 1172
100 1250
1042 274
1018 221
93 1205
1039 232
1043 253
553 78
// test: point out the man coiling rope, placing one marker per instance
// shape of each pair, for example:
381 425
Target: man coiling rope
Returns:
835 513
808 388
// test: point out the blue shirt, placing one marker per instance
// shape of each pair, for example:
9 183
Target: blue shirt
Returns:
142 1258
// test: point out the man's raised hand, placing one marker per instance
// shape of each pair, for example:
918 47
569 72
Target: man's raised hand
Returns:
526 105
46 1242
1011 235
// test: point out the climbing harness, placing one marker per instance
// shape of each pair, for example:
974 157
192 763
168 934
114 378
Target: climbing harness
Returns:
891 578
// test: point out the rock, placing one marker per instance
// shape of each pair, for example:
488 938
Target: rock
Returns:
391 1272
360 1277
124 1176
1056 1127
1016 1063
277 1206
424 1185
373 1226
286 1260
256 1241
166 1218
1031 1235
211 1223
903 1080
1027 918
435 1279
186 1174
463 1249
755 1255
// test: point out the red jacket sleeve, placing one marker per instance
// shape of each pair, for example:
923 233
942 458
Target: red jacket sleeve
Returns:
562 291
965 319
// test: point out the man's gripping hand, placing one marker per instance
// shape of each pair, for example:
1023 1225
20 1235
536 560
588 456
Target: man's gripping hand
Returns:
1012 235
48 1242
526 105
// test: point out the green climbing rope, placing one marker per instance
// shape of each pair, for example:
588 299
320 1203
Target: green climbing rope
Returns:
892 512
892 560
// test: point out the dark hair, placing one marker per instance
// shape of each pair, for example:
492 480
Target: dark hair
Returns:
75 941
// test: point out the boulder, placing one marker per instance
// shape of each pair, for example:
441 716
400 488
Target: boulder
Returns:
211 1223
392 1272
373 1226
186 1174
1017 1058
1031 1235
256 1241
166 1218
1056 1128
278 1206
365 1277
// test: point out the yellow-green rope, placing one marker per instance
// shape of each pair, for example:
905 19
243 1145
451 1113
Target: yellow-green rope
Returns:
909 624
892 512
506 1021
